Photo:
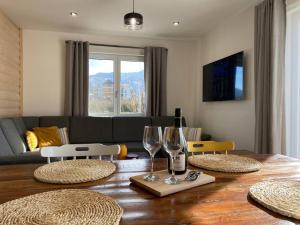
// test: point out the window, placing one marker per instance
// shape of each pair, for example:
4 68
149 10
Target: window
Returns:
116 85
292 80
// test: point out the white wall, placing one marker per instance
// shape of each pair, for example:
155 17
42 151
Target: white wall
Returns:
232 120
44 59
44 67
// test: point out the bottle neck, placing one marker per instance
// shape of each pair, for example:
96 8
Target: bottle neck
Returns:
177 118
178 122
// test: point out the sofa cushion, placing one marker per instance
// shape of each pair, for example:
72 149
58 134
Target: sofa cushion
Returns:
20 125
5 149
59 121
90 130
165 121
205 137
31 122
27 157
134 146
13 138
138 147
183 122
129 129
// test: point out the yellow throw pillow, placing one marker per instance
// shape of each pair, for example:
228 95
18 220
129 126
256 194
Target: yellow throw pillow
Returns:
123 152
32 140
47 136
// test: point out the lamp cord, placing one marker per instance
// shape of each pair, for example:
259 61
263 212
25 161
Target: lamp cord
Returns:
133 5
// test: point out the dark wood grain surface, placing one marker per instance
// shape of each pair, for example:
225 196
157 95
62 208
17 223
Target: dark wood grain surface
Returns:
224 202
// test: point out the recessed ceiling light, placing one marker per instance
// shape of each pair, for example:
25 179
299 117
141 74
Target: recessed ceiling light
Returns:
176 23
74 14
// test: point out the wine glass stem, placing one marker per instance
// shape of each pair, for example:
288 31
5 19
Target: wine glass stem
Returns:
173 172
152 159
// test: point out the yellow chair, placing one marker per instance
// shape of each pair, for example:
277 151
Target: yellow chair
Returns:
210 146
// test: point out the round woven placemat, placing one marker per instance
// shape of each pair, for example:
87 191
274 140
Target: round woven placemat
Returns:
62 207
225 163
279 196
74 171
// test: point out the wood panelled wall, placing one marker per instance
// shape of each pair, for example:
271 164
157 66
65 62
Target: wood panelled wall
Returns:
10 68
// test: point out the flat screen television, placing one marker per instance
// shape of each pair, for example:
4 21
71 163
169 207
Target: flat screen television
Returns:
223 80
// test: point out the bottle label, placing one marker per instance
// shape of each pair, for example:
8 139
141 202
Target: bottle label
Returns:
179 162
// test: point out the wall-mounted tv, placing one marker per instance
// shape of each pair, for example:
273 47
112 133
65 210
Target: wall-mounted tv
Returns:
223 80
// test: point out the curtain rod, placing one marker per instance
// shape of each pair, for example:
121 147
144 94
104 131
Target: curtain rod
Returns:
116 46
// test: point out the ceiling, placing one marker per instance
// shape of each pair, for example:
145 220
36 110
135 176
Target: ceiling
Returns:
106 16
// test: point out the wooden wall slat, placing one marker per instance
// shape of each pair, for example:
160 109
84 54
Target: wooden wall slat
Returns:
9 112
9 88
10 68
9 96
9 104
6 64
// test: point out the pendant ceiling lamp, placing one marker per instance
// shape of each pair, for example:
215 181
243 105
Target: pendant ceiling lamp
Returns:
133 20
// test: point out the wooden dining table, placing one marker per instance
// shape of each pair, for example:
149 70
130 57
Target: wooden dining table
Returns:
225 201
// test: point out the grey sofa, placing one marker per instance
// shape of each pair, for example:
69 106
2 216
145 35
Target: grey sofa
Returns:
106 130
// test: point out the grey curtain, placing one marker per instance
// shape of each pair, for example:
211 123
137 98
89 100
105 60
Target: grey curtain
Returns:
270 23
156 80
76 82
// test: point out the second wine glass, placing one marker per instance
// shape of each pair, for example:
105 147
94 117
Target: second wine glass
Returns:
174 142
152 141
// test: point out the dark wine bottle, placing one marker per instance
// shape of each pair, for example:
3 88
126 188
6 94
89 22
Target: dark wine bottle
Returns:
180 162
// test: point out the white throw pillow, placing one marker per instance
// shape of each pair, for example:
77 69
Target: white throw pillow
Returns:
192 134
63 133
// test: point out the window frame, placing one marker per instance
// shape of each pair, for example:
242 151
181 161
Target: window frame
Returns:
117 59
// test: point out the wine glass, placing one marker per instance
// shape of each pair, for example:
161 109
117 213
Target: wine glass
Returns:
173 142
152 141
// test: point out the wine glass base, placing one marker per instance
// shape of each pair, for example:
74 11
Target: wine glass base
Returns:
172 180
151 178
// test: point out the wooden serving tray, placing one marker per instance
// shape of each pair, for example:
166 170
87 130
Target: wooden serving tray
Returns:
160 189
